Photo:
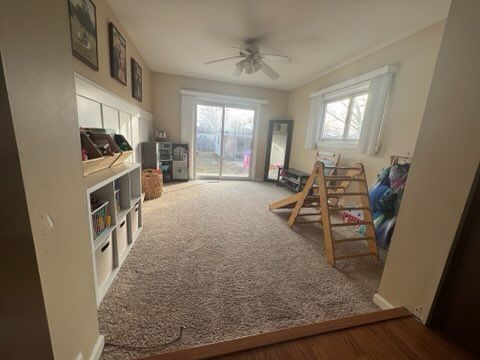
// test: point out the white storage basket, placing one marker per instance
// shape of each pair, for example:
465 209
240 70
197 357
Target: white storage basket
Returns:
122 237
104 260
134 219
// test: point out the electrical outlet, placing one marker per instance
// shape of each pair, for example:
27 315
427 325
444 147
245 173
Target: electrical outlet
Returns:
419 313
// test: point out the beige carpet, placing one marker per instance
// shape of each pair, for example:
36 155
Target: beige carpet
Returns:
214 259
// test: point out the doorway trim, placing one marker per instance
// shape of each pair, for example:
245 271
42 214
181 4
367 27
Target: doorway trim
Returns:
224 105
189 100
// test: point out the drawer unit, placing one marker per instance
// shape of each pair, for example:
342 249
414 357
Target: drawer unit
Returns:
104 260
122 237
134 219
180 170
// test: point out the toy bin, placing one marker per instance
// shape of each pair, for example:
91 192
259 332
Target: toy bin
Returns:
95 160
124 147
122 237
114 152
104 260
100 219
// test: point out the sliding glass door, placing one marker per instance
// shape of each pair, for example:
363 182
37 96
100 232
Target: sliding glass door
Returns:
224 141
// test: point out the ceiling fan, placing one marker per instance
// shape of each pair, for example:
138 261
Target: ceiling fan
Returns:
252 60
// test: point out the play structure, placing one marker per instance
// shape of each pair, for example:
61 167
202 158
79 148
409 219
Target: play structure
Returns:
325 187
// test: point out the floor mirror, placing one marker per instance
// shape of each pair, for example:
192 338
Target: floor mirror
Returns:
278 148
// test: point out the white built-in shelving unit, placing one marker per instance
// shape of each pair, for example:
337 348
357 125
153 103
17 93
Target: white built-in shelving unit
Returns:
112 245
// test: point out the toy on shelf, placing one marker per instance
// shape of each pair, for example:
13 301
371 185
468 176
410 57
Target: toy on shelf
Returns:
100 218
161 135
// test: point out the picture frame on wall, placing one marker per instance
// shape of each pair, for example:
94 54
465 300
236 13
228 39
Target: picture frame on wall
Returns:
118 54
83 31
136 80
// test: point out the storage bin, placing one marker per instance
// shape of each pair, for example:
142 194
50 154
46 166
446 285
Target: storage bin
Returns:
100 219
180 170
115 154
104 260
134 219
122 238
95 158
152 183
124 147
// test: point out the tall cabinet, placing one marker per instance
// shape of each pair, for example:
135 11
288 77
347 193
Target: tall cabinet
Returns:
114 200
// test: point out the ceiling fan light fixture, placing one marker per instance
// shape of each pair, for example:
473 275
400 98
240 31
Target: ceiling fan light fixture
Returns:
252 60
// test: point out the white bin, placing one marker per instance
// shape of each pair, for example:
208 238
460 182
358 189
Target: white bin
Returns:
104 260
122 238
134 219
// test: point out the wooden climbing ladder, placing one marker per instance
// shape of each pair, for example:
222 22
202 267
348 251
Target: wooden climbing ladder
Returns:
323 193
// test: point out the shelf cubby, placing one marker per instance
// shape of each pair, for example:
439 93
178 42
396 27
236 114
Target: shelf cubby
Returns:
135 186
122 185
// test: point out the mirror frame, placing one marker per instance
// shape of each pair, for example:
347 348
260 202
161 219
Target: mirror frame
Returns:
269 146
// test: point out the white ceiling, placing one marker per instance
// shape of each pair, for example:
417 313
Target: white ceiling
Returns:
178 36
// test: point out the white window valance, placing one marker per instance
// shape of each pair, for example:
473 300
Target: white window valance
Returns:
378 84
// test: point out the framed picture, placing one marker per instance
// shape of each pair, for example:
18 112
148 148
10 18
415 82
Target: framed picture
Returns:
136 80
118 54
83 31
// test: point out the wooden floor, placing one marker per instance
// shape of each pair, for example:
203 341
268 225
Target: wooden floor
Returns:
390 334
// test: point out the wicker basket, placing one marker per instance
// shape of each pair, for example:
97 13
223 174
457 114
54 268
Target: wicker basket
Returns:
152 183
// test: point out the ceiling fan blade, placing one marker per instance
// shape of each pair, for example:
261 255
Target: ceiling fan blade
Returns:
288 58
218 60
257 65
267 69
248 66
238 69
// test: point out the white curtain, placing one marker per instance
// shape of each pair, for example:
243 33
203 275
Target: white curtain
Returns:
370 136
187 130
314 119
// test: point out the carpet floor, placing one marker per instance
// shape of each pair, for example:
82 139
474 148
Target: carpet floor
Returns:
214 259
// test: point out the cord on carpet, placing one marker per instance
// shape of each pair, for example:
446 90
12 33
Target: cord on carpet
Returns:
147 348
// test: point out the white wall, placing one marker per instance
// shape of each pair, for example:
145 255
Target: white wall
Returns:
446 158
102 77
37 58
167 106
415 56
99 108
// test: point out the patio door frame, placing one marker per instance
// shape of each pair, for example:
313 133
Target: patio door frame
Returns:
224 105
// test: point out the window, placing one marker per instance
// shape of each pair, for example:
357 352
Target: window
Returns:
351 114
342 119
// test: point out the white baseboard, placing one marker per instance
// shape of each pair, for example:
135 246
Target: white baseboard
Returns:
381 302
98 348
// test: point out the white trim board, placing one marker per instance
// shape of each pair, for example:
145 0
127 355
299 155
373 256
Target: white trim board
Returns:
380 301
224 98
356 80
98 348
92 91
189 101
